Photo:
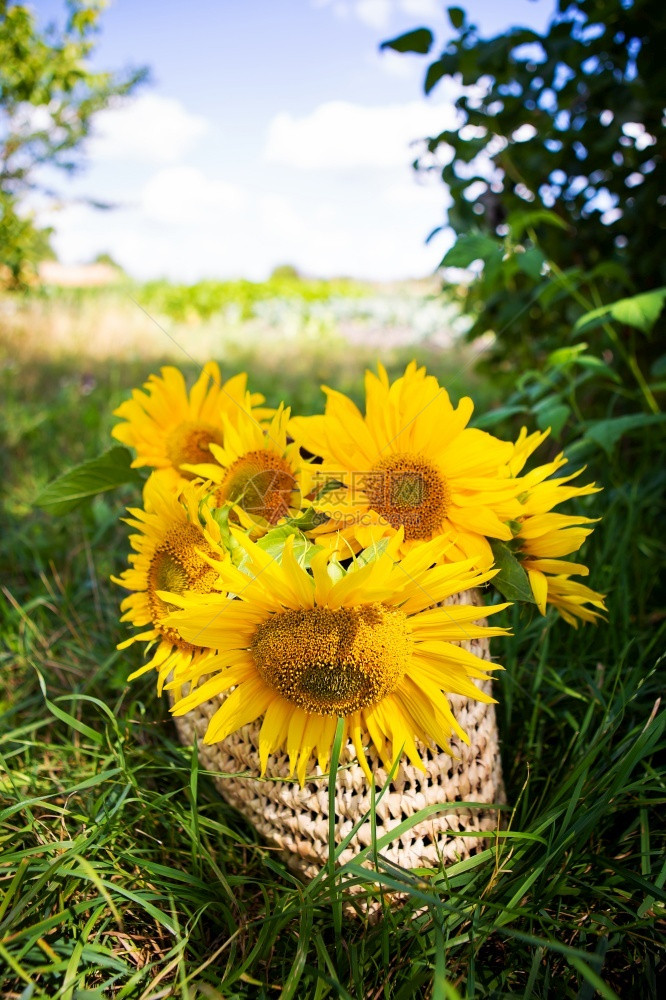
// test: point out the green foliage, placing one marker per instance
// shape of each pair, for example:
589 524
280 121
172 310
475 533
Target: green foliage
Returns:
49 96
557 169
640 312
303 549
107 259
511 580
572 92
97 475
418 40
23 244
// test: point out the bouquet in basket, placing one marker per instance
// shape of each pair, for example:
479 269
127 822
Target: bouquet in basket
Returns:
292 571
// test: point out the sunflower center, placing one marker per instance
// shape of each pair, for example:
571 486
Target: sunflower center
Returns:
409 491
187 444
333 662
176 566
262 483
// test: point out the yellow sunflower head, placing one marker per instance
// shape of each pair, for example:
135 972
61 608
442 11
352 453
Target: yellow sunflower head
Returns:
572 599
175 551
543 535
410 465
170 428
302 648
257 470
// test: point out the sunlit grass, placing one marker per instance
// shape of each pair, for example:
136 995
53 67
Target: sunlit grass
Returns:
123 873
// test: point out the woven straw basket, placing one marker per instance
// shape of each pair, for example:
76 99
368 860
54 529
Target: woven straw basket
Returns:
295 819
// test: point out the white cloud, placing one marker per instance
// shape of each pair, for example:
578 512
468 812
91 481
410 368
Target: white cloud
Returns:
187 225
339 135
185 195
410 193
149 128
380 13
376 13
278 215
397 64
422 8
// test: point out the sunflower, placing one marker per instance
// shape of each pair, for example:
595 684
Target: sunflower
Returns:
370 645
256 470
410 464
169 428
544 536
572 598
170 553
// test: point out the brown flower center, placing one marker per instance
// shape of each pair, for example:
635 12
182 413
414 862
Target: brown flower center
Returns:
409 491
262 483
176 566
187 444
333 662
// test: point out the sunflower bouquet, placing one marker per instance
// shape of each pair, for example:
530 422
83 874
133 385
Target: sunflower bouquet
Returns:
297 578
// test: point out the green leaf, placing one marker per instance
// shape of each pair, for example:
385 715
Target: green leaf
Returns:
530 262
447 65
373 551
494 417
308 520
589 361
329 486
640 311
659 367
273 543
564 356
520 222
456 17
419 40
554 417
335 570
607 433
511 581
221 517
99 475
468 248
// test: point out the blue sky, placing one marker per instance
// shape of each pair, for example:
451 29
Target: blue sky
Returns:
273 131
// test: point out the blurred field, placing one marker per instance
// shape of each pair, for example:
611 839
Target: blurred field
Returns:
66 351
76 353
224 319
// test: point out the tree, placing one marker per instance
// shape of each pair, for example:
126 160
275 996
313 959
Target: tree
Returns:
49 96
557 166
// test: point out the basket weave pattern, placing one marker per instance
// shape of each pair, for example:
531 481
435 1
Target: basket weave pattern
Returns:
295 819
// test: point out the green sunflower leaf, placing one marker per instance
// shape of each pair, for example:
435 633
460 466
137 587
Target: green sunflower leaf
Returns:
330 486
308 520
221 517
98 475
373 551
511 581
274 540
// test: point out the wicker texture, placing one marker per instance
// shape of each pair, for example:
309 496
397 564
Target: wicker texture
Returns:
295 819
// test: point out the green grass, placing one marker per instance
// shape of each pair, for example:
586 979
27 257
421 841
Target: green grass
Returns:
123 873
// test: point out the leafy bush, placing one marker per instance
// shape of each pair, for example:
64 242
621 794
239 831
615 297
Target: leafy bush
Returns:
49 95
557 173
